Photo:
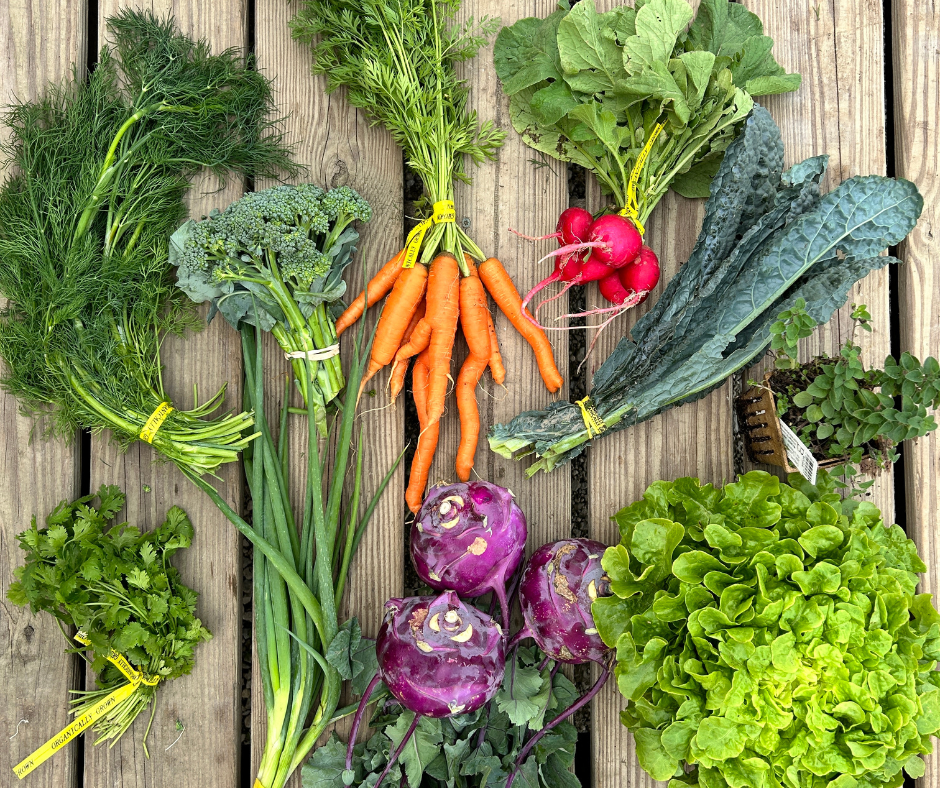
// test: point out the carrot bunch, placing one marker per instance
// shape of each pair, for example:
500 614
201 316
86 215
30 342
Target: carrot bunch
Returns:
397 62
420 320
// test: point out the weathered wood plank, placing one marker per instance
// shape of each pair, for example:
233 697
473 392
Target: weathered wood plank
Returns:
339 147
512 191
207 703
40 42
838 48
916 27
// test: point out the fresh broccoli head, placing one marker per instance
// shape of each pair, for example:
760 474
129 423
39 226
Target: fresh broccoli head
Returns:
283 232
344 206
275 259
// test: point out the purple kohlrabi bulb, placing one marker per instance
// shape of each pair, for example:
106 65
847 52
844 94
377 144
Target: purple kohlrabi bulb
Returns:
558 585
439 657
469 538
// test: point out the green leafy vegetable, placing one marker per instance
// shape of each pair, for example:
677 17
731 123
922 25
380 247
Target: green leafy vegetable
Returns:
396 61
776 637
98 172
842 410
276 257
767 239
469 750
590 88
117 586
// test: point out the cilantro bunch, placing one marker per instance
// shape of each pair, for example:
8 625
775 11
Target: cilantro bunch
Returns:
591 88
770 635
466 751
275 259
117 586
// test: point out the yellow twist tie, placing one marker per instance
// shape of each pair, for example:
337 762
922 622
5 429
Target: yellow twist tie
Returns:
592 421
81 724
156 419
444 213
632 209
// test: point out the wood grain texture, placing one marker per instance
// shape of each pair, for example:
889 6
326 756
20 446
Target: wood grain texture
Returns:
916 29
40 40
838 48
337 145
207 702
516 190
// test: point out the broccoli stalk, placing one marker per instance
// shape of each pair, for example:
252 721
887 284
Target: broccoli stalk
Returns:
275 259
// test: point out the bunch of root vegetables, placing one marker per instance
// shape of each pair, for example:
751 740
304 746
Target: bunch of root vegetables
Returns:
419 320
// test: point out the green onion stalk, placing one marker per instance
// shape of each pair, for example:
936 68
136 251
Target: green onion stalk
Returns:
99 169
301 562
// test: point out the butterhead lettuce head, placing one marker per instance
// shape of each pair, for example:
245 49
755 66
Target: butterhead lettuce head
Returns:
770 634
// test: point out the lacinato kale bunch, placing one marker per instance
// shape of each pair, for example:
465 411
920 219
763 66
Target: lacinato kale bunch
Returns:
98 170
770 635
275 259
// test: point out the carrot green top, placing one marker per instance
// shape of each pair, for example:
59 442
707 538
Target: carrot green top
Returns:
396 59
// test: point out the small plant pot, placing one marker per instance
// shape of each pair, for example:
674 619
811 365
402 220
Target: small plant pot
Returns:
757 413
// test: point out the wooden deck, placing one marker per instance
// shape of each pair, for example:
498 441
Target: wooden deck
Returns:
869 99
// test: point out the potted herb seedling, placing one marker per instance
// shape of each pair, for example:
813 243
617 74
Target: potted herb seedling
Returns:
848 416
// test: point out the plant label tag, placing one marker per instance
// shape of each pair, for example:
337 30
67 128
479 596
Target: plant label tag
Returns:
799 455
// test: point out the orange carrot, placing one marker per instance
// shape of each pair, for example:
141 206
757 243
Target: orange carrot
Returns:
419 388
400 306
497 370
379 286
443 313
474 320
507 298
470 374
427 440
418 341
473 314
397 378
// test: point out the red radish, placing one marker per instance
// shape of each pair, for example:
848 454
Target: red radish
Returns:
569 267
643 275
612 289
574 225
594 269
620 238
625 288
563 260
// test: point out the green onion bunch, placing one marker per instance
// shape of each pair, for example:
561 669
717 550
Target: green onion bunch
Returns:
301 560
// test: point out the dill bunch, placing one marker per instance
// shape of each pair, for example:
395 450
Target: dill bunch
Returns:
98 172
396 59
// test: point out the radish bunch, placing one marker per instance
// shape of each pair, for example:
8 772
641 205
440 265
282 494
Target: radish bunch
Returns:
608 250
